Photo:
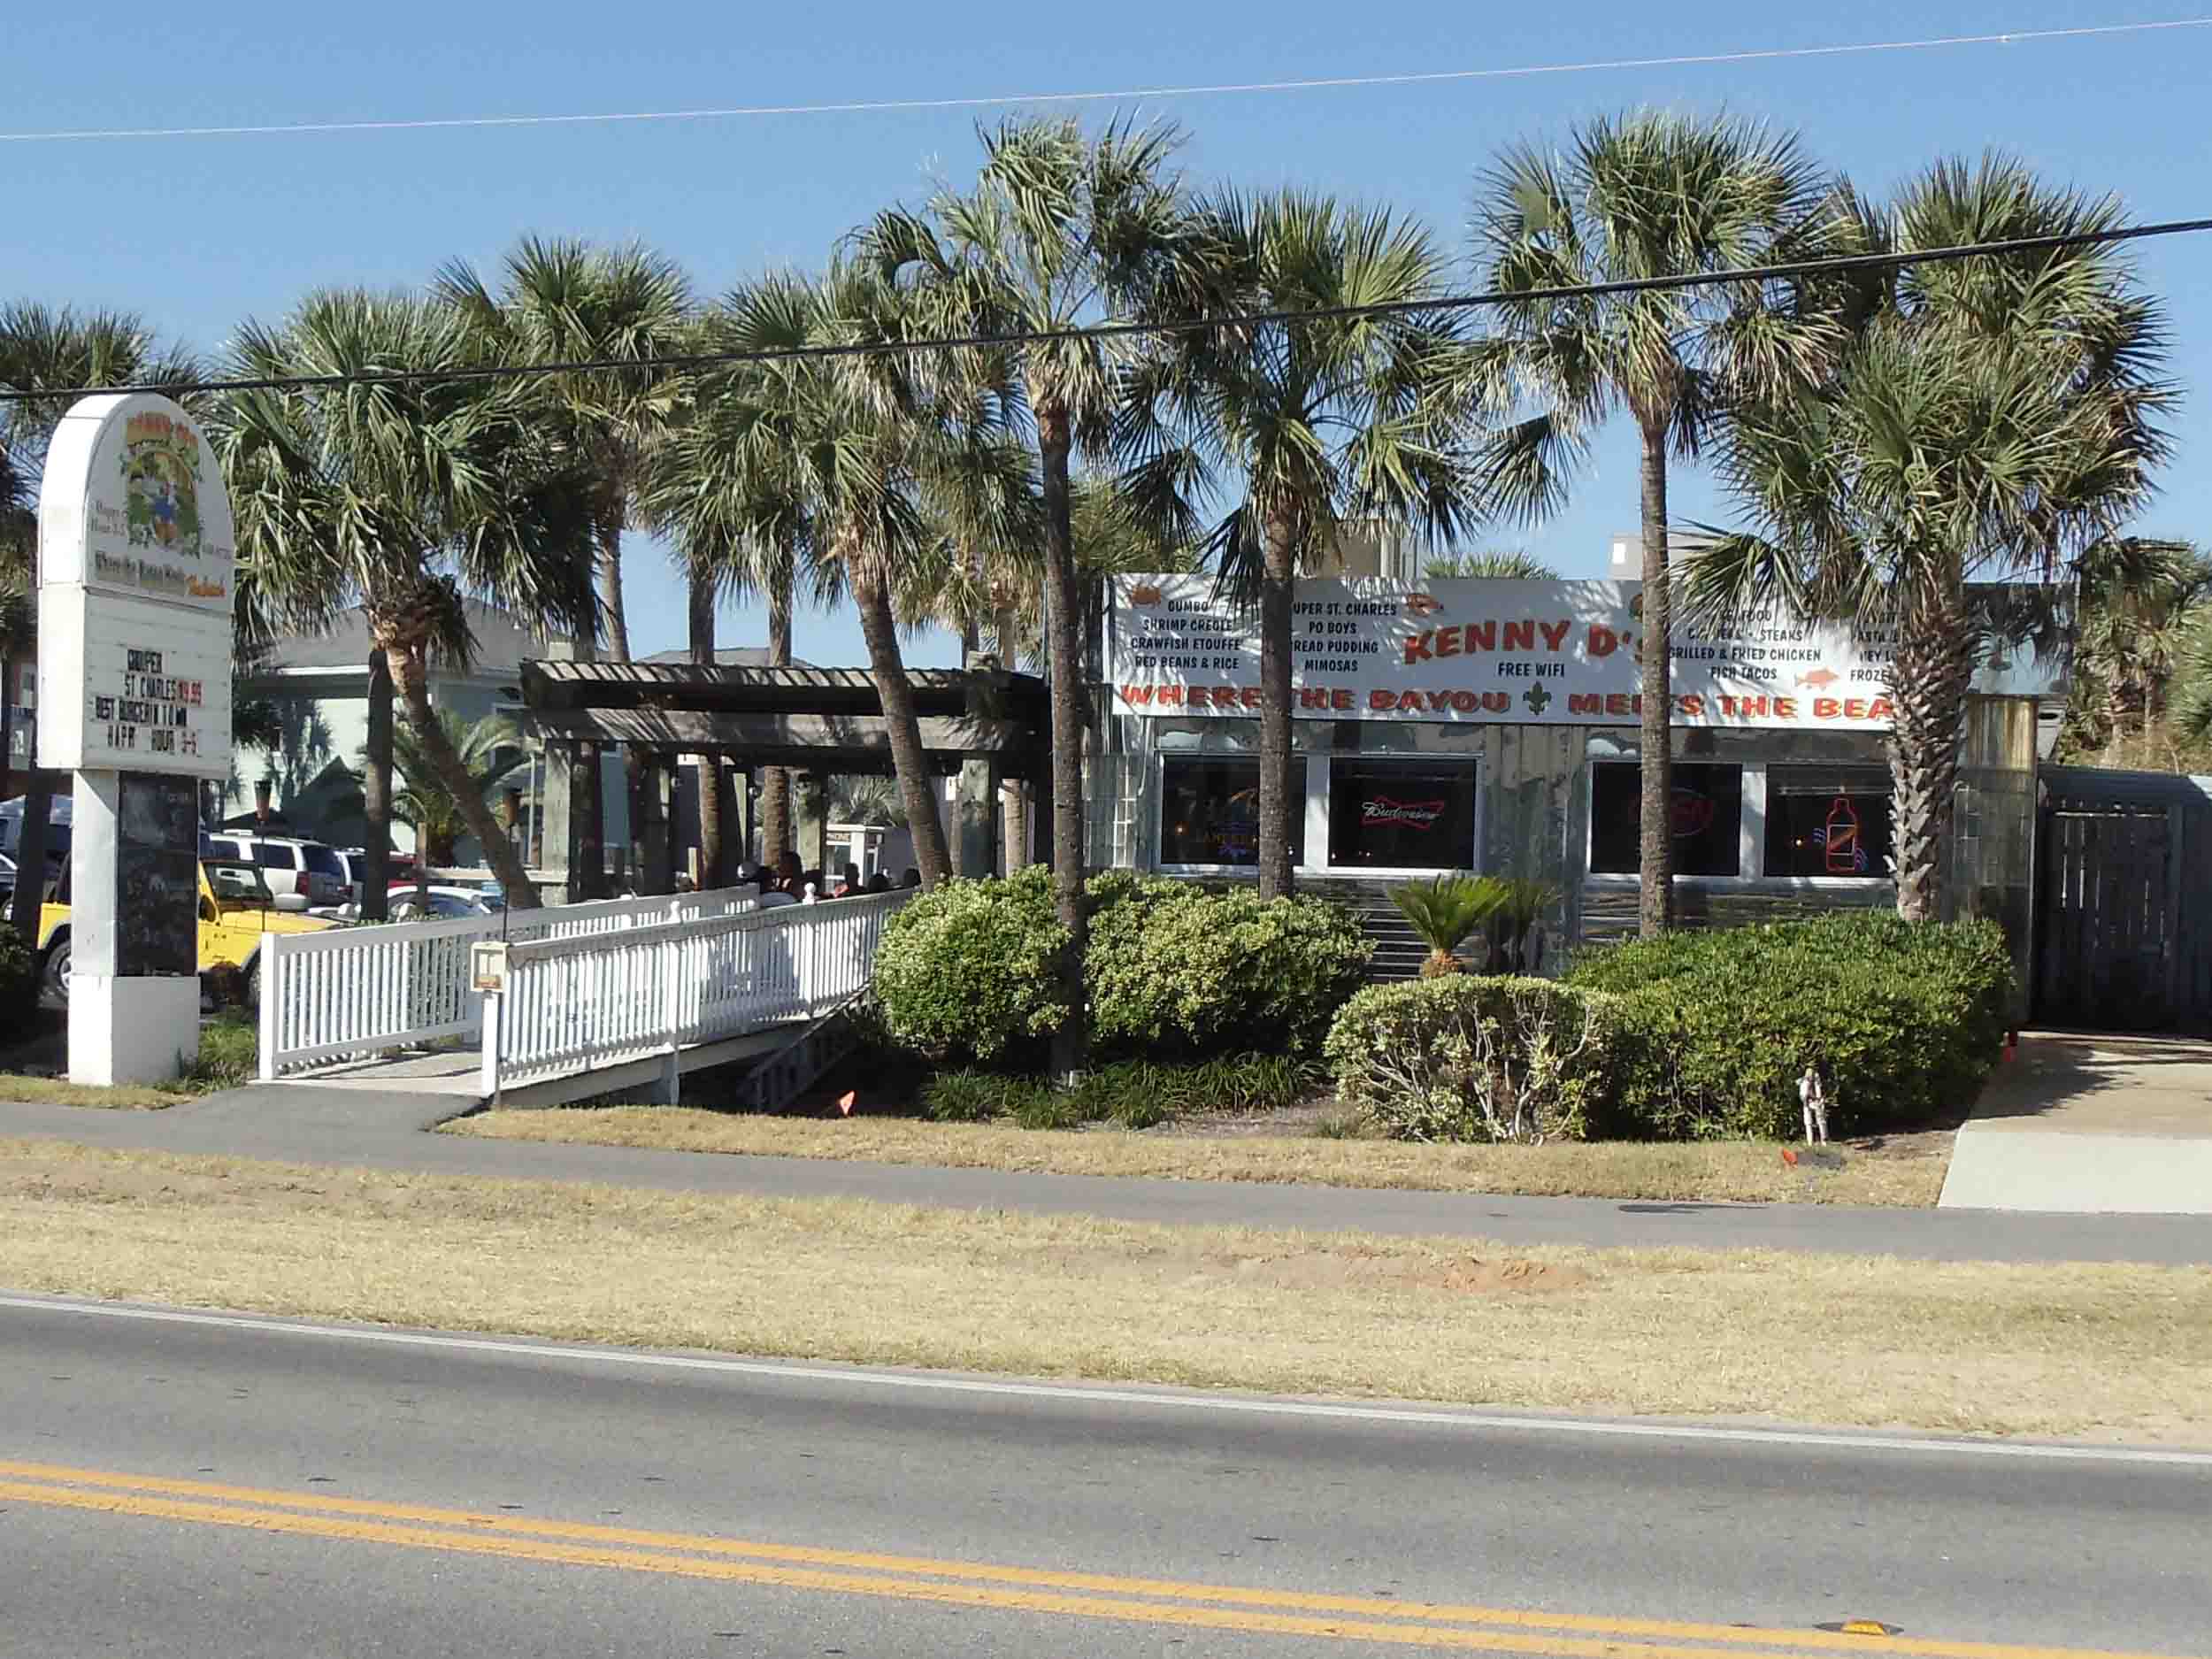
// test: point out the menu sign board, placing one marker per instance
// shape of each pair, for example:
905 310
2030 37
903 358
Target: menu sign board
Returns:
1478 650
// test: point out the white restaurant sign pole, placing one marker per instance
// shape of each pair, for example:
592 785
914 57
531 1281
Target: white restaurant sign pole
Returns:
136 553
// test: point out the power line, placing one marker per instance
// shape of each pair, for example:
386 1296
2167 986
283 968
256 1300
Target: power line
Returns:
893 106
1830 266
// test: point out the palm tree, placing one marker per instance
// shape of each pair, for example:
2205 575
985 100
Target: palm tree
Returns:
1059 229
2139 597
1648 195
404 499
1515 566
563 301
487 750
726 485
50 351
818 460
1994 418
1319 422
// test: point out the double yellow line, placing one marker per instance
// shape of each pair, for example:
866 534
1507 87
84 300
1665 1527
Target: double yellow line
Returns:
955 1583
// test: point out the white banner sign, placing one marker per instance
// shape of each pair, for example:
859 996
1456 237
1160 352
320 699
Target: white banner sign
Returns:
136 562
1497 652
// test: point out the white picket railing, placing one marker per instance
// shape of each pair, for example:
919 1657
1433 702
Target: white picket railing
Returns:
352 992
578 1003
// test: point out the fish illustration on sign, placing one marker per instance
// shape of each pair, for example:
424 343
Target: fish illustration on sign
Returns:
1820 679
1144 594
1423 605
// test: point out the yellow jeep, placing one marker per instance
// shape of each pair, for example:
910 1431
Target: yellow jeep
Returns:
237 908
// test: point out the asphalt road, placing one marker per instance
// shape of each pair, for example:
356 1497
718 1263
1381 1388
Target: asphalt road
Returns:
377 1129
193 1486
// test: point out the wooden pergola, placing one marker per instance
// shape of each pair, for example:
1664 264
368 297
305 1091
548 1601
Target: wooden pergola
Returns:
985 725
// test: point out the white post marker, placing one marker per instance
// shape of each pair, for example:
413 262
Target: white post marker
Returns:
136 555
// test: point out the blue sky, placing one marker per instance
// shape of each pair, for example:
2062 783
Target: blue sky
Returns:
196 233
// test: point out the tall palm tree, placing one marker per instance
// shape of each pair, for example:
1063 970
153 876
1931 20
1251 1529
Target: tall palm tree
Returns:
404 499
1998 417
1319 421
819 459
1059 229
726 485
565 301
1647 195
53 350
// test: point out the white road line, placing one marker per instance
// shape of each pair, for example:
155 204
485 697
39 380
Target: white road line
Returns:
1161 1400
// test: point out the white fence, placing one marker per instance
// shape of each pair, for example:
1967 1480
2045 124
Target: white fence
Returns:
352 992
603 999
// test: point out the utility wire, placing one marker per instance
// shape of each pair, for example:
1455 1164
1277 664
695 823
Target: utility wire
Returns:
890 106
1123 329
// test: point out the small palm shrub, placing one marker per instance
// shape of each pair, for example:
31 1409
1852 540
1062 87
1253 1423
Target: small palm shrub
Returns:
1444 912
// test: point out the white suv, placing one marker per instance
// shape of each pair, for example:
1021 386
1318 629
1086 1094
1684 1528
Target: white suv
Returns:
311 868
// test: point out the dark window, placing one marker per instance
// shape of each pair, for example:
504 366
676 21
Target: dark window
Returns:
1209 812
1708 819
1400 815
323 862
1826 821
272 857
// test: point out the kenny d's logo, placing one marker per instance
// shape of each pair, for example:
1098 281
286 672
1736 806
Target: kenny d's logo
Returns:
161 475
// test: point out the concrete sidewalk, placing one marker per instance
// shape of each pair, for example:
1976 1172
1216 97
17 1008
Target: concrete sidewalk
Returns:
362 1128
2091 1125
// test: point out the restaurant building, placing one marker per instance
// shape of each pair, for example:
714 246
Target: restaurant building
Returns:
1492 725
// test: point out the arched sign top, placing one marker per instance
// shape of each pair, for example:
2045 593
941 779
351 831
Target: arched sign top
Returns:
133 503
136 562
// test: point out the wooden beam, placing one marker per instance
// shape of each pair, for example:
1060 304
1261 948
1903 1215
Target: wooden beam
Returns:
754 734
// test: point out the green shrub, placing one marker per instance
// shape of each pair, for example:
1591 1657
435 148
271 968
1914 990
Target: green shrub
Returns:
1173 968
1135 1094
1717 1024
965 971
966 968
18 987
1473 1057
230 1054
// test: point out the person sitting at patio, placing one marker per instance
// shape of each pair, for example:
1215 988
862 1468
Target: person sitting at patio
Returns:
848 884
911 879
790 873
879 882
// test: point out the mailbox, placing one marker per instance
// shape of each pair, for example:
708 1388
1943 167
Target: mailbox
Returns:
487 965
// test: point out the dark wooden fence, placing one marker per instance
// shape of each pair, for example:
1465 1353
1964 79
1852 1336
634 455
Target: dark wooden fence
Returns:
2123 901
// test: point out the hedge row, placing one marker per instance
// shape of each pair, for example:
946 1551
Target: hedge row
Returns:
964 972
1697 1035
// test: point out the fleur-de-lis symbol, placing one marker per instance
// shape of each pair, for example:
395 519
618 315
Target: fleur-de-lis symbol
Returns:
1537 698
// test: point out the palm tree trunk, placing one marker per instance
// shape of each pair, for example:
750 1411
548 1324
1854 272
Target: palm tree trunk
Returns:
1277 800
610 575
879 628
775 781
1654 906
376 796
1064 659
711 872
413 684
1014 794
1929 678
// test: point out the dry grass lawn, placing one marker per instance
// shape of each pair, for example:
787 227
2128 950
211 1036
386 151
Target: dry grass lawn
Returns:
53 1091
1907 1171
2094 1350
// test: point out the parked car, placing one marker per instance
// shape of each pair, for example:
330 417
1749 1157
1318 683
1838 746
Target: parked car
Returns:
293 865
441 900
7 881
237 908
58 817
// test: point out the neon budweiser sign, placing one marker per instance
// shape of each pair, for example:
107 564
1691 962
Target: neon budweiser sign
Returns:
1410 814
